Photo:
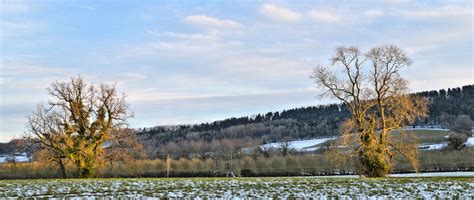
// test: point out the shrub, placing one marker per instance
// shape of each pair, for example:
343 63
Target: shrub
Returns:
457 140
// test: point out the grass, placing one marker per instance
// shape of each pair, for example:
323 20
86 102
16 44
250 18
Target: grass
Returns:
281 187
428 136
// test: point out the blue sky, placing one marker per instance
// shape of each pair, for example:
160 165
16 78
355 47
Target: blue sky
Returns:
198 61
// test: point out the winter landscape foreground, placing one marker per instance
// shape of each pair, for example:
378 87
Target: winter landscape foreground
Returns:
428 186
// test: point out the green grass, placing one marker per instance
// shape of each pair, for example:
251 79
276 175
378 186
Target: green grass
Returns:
428 136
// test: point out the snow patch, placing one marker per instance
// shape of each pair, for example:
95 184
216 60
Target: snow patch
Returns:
425 128
432 146
300 145
22 157
435 174
470 142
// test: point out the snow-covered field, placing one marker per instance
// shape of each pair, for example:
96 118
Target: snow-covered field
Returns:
425 128
435 146
438 146
435 174
470 142
244 188
300 145
17 158
309 145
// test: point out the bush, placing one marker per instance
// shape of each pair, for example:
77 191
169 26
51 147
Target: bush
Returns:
457 140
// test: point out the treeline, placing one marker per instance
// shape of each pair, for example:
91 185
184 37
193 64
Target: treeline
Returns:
253 165
445 105
308 122
297 123
301 123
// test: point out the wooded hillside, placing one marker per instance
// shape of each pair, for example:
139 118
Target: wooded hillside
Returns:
306 122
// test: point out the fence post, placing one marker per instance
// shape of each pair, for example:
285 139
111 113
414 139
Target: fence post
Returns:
168 166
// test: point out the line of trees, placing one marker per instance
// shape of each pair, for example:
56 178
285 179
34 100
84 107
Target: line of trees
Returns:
308 122
250 165
84 126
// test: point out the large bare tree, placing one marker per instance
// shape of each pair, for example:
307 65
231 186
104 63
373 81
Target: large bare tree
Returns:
77 121
371 86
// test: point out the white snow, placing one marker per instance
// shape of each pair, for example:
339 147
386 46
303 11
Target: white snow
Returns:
243 188
22 157
436 146
436 174
300 145
426 128
470 142
408 175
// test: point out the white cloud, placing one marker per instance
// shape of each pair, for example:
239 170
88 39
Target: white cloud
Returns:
18 69
280 13
121 79
442 74
262 67
178 48
11 29
13 7
210 36
437 13
420 14
325 16
88 7
374 13
211 22
397 1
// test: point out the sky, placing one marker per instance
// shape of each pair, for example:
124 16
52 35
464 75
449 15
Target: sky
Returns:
185 62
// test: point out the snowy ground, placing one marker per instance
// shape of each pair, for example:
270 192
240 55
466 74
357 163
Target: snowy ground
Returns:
436 174
425 128
244 188
308 145
300 145
470 142
18 158
436 146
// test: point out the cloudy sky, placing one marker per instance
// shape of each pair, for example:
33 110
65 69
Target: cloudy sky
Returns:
192 61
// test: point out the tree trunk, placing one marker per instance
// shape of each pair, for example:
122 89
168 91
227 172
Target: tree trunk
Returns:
62 168
85 168
373 161
372 155
86 172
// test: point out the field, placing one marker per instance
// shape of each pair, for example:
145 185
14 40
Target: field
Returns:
226 188
433 137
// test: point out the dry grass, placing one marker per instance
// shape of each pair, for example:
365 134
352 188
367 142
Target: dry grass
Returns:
306 164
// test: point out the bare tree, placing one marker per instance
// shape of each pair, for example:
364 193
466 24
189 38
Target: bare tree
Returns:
463 124
45 127
123 147
285 147
371 87
79 119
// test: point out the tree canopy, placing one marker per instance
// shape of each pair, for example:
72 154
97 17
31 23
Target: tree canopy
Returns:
373 89
77 121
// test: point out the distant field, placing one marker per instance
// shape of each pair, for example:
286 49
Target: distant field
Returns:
283 187
424 136
428 136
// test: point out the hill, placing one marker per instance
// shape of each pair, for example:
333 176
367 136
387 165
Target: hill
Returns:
298 123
